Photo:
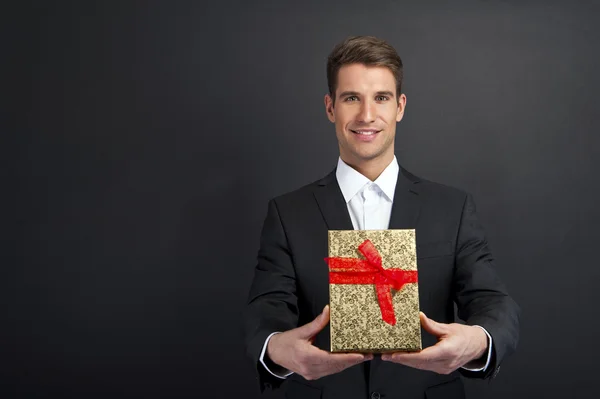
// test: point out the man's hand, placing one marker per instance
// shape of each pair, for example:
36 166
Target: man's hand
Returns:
457 345
293 350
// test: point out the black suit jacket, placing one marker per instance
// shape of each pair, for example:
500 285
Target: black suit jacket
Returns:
290 286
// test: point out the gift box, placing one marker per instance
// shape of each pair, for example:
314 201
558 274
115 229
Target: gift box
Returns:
373 291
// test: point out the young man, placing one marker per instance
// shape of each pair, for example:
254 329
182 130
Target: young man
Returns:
286 320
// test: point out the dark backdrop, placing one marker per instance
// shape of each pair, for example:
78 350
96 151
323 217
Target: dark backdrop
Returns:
142 141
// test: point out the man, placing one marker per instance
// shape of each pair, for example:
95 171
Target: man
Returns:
286 320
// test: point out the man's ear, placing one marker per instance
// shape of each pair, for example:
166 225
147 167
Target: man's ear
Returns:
401 107
329 107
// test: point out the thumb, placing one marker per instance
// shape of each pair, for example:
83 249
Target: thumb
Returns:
311 329
432 327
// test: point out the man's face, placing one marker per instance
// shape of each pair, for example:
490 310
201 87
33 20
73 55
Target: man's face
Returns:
365 113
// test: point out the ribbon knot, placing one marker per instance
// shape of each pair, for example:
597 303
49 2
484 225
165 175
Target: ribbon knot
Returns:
370 271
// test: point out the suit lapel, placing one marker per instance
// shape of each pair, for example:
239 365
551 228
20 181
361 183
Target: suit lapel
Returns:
407 201
332 204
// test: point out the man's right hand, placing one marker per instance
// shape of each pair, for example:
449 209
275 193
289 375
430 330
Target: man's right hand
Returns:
294 351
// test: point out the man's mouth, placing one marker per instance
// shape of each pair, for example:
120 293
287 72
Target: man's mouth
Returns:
365 132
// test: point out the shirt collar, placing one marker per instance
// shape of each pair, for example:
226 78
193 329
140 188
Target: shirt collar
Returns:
351 181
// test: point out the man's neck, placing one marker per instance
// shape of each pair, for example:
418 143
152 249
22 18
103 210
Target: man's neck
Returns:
370 169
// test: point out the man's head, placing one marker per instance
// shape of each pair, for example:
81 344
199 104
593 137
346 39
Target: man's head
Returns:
364 75
366 50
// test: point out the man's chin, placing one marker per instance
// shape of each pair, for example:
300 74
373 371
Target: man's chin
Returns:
367 156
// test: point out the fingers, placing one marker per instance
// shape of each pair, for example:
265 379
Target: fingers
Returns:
427 355
422 360
436 358
338 361
311 329
433 327
325 363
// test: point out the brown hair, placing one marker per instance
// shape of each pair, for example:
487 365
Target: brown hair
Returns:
367 50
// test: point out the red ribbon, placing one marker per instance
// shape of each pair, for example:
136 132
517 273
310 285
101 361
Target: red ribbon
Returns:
370 271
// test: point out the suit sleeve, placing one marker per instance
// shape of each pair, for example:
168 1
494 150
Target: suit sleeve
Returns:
272 302
481 297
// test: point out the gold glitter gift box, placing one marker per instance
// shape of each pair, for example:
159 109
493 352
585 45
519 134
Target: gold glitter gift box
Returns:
373 291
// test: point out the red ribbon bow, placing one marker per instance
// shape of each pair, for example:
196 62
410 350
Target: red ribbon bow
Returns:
370 271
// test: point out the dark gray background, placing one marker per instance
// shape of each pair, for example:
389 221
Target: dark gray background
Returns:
144 139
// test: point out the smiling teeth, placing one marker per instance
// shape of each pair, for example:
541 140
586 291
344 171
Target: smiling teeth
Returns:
364 133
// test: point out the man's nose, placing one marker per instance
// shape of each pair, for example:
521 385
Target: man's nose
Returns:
367 112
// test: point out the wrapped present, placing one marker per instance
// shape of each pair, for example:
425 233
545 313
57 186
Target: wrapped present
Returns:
373 291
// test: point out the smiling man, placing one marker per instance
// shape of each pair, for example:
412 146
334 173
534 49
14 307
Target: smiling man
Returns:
286 320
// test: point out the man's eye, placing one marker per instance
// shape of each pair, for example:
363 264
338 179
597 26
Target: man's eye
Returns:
381 98
351 98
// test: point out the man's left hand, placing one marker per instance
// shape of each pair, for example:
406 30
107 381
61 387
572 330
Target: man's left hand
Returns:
458 344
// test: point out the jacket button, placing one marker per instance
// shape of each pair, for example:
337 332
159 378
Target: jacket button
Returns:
375 395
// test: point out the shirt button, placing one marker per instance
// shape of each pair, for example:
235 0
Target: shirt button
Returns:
375 395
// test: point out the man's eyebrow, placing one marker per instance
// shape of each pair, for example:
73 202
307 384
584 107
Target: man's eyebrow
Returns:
349 93
385 93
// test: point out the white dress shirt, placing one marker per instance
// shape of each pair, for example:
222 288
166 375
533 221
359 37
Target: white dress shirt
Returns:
370 207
